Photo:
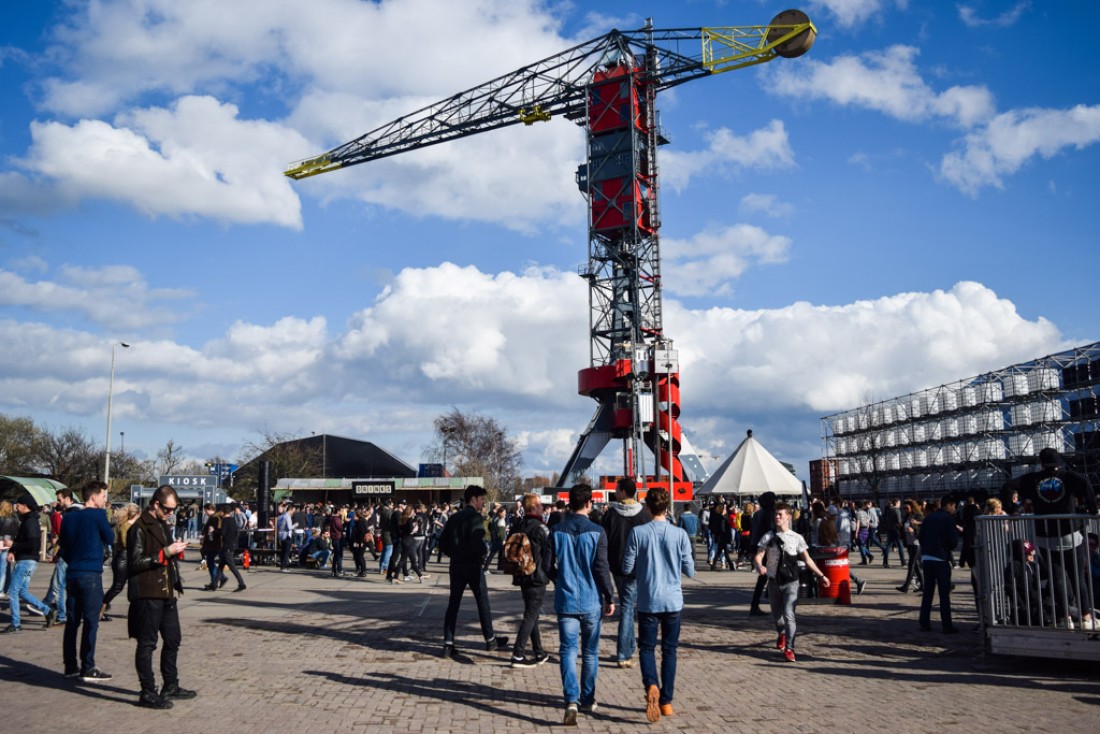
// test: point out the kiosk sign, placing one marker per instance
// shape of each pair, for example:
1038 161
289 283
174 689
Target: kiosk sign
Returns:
372 489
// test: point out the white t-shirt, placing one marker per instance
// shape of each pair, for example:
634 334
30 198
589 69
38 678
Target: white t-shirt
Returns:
793 544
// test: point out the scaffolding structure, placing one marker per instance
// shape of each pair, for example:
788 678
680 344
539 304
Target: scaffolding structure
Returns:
971 435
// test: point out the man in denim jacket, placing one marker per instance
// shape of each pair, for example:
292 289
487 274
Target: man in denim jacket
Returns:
582 588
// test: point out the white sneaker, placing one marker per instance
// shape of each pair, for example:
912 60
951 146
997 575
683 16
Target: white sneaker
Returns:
1090 623
1065 624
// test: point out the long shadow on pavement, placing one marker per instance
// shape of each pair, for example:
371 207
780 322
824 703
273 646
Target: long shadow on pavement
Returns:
464 693
39 677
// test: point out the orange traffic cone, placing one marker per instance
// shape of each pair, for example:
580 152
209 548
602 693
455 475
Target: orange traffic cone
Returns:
246 560
844 595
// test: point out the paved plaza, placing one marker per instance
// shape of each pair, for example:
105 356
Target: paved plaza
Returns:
303 652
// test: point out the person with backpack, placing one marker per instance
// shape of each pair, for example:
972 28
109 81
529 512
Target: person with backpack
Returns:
777 560
623 516
532 585
463 540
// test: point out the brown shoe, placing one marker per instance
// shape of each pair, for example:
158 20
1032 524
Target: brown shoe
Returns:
666 709
652 704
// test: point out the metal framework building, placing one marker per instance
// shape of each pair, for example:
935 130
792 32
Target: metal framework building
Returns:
972 434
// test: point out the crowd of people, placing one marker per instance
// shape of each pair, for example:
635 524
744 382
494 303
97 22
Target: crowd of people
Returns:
625 555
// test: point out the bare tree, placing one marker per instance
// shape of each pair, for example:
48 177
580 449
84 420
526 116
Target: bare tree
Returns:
289 457
169 458
68 456
476 445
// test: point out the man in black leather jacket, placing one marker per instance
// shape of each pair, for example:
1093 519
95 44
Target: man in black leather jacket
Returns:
153 589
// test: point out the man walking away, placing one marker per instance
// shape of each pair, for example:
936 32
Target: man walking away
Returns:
231 530
622 517
892 523
938 538
582 587
84 539
659 552
463 539
154 589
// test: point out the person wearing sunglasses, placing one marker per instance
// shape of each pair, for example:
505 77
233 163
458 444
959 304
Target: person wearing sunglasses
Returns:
154 588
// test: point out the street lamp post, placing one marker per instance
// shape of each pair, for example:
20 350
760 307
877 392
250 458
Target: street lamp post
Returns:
110 398
122 442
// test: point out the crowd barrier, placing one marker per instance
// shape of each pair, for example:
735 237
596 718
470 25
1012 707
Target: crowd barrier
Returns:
1043 602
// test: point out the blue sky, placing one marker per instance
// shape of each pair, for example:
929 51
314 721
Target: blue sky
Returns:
910 203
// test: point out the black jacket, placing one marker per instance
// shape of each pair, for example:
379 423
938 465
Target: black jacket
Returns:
465 533
28 539
618 521
230 532
153 573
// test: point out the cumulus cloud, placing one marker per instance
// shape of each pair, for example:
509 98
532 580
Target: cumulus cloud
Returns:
886 81
826 358
968 14
1011 139
335 70
195 158
708 261
510 344
767 148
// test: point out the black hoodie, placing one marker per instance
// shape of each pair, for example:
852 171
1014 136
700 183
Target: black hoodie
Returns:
618 521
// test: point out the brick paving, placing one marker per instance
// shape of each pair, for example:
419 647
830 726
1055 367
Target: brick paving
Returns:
305 652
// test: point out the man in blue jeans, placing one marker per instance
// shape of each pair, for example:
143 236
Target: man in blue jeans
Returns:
938 538
659 552
85 536
582 589
622 516
56 596
24 552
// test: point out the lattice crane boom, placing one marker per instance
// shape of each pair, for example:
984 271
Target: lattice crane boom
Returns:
557 84
608 86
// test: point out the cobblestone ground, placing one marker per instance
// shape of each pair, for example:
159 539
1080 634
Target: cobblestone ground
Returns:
304 652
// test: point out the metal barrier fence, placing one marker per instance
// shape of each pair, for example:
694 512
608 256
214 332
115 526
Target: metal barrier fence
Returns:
1049 588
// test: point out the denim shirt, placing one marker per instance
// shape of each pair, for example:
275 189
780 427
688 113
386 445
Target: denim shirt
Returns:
582 575
659 552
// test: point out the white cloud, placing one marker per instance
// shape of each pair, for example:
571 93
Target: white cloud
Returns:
510 345
197 158
850 12
706 263
764 149
827 358
969 16
886 81
115 296
767 204
1011 139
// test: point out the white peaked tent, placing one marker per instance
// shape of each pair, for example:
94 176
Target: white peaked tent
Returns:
752 470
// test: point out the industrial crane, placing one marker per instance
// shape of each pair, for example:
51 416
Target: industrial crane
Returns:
609 87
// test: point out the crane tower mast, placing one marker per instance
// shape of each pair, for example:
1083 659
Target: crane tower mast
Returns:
608 86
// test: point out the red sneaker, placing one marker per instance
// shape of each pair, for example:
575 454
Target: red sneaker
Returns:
781 642
789 654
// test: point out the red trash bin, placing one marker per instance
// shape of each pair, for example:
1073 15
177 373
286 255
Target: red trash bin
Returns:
833 562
